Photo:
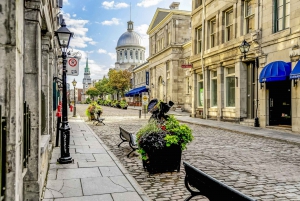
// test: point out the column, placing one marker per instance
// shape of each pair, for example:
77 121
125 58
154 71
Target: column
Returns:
194 93
241 90
220 93
32 62
206 83
50 101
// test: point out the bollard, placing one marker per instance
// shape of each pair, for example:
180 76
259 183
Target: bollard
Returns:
140 113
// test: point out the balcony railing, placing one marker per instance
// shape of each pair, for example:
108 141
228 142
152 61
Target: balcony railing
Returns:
2 156
26 135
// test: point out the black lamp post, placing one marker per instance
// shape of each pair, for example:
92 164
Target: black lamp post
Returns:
244 48
74 85
64 35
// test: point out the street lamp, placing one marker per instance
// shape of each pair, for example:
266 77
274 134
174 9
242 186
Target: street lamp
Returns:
64 36
244 48
74 111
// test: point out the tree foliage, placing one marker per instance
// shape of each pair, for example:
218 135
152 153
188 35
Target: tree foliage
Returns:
92 92
119 80
103 87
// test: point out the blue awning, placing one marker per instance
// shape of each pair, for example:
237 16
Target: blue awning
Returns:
295 74
275 71
136 91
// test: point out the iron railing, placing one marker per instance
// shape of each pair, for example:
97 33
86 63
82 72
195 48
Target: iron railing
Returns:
2 155
26 135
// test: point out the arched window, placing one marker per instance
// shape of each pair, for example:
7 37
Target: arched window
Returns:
121 54
131 54
125 54
136 55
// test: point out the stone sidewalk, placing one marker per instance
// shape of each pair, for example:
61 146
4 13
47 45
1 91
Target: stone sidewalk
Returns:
95 175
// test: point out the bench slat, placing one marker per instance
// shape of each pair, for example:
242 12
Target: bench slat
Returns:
130 138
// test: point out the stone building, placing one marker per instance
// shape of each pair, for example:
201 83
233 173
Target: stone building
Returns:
129 50
169 41
228 85
29 62
86 82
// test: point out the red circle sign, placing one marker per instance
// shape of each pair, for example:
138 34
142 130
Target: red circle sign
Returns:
72 62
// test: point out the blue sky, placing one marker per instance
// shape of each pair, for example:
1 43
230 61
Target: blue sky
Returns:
98 24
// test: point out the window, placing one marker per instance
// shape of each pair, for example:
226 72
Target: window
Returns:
162 43
198 40
125 54
214 89
121 54
131 54
167 66
198 3
136 55
281 15
213 35
141 55
200 91
229 25
249 16
230 87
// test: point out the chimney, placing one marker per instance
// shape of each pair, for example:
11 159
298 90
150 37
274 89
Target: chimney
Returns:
174 6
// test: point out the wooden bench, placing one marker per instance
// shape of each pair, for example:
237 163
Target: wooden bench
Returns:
99 120
128 137
209 187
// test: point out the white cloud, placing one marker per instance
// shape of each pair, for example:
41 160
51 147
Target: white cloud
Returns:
148 3
77 26
102 51
142 31
83 8
74 15
113 21
113 5
93 42
66 2
113 56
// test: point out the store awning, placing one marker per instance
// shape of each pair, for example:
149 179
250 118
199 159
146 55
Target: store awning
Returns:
136 91
295 74
275 71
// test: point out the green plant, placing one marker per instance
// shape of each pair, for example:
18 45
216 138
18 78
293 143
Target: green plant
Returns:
93 109
123 104
88 101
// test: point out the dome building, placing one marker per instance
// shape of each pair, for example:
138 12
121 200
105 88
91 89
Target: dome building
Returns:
130 51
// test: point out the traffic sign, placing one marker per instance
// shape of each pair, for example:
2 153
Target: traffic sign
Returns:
73 66
145 99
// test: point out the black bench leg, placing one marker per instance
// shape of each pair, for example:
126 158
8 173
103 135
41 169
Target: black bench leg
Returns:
130 153
102 122
121 143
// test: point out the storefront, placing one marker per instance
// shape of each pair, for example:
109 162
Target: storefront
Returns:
275 78
136 94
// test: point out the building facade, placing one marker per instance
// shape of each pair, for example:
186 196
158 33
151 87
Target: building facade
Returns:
228 85
28 95
169 41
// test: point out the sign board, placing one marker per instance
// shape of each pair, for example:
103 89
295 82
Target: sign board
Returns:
186 66
72 66
145 99
147 78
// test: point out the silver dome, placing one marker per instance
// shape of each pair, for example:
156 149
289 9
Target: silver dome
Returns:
130 38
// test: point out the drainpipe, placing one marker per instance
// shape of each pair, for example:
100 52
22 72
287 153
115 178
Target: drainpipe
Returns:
202 63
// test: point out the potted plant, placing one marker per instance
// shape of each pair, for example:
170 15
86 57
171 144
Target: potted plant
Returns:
160 143
92 110
123 104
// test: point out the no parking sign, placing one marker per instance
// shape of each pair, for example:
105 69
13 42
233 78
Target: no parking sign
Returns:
73 66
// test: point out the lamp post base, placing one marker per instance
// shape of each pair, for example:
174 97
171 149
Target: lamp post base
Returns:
256 122
65 160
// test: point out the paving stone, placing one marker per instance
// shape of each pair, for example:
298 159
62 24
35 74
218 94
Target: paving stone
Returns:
102 157
63 188
90 151
106 197
78 173
101 185
110 171
128 196
96 164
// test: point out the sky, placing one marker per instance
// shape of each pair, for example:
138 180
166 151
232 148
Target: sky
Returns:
98 24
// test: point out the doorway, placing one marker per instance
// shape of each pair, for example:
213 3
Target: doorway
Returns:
279 103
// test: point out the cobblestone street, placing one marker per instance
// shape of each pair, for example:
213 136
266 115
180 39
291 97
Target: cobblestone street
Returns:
262 168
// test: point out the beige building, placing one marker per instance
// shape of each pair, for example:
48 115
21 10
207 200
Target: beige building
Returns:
225 83
169 41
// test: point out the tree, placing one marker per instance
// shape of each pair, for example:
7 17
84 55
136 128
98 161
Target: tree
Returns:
92 92
119 80
103 87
